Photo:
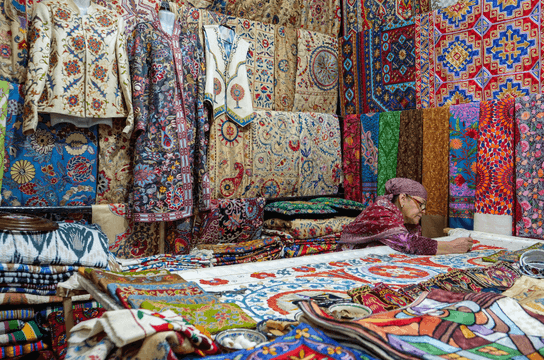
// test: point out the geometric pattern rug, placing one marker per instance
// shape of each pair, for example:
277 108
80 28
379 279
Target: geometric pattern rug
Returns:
478 50
267 289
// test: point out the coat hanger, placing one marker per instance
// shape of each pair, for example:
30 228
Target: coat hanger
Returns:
165 5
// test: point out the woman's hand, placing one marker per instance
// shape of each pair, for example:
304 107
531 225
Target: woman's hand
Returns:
457 246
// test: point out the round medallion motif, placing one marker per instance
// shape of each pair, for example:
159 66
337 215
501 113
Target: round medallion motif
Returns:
229 131
324 68
398 271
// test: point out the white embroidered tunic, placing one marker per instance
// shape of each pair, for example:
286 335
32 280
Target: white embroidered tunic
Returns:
227 85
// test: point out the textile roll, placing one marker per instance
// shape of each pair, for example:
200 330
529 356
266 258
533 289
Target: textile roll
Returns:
388 148
485 70
370 126
464 121
351 66
389 71
529 166
317 73
352 157
495 166
285 67
410 154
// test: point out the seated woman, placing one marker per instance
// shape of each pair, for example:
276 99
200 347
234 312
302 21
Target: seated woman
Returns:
394 218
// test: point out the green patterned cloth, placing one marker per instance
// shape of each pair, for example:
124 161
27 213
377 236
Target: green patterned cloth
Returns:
494 257
29 333
339 203
513 256
11 326
388 148
213 317
298 209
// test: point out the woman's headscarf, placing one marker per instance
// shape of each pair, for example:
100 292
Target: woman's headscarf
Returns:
398 186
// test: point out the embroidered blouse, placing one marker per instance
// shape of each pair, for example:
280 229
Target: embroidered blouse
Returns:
166 72
77 65
383 221
227 84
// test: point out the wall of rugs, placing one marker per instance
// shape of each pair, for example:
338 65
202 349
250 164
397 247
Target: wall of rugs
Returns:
480 162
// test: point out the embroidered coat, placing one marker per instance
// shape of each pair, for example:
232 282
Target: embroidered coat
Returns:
13 46
166 73
227 84
77 65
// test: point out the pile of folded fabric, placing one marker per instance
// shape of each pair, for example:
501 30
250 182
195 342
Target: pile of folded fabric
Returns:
310 227
194 260
266 248
28 290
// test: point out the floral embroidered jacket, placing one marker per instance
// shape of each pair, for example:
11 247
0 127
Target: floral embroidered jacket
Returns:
227 84
13 46
383 221
166 73
77 65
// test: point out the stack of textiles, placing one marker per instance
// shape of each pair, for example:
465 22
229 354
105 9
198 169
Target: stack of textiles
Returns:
440 324
496 278
266 248
195 259
310 227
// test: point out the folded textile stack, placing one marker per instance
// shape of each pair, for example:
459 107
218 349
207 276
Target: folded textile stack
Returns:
247 251
194 260
310 227
496 278
438 323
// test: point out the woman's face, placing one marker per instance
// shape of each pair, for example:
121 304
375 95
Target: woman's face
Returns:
413 209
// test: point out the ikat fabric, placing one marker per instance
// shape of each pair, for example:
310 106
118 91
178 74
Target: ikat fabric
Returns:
478 50
13 43
351 74
115 168
321 154
285 67
436 159
259 61
464 135
317 73
63 46
55 166
410 153
370 130
389 127
352 157
70 244
495 161
529 167
277 154
166 121
389 67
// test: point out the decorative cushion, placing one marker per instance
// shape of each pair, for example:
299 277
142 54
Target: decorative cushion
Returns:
298 209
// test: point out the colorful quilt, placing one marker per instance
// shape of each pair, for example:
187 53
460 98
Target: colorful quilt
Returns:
351 68
478 50
495 167
389 67
316 88
212 317
352 158
103 278
120 292
71 244
442 322
276 154
529 166
388 148
410 153
464 135
55 166
285 67
260 59
370 126
231 221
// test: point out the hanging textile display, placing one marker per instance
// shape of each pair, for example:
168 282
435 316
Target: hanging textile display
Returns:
13 46
463 157
495 167
115 173
317 73
55 166
321 16
388 148
351 67
352 157
321 154
435 169
276 155
370 126
140 239
4 96
461 55
529 166
389 67
178 236
285 67
410 155
259 60
132 11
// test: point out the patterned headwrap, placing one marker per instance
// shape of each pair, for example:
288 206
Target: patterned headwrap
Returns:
410 187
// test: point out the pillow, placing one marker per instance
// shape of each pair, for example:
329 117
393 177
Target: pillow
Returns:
298 210
342 206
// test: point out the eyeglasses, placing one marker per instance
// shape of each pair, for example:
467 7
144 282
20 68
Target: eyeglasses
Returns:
421 205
